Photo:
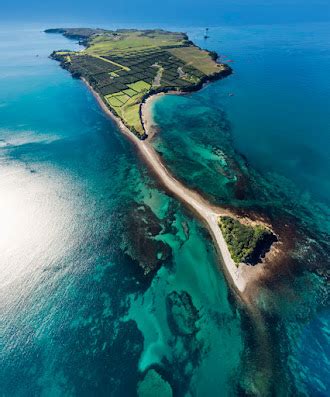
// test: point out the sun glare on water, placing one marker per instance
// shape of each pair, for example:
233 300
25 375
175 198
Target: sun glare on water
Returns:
35 222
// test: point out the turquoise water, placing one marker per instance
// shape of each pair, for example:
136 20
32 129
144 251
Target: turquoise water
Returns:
78 315
81 216
277 119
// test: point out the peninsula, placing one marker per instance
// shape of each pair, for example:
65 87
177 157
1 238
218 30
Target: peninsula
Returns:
124 69
126 66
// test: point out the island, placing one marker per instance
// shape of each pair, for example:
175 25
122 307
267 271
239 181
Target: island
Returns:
127 67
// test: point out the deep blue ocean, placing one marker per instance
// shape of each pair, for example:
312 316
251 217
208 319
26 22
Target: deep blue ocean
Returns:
80 213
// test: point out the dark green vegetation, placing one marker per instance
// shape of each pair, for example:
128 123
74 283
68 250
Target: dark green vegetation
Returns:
245 243
126 66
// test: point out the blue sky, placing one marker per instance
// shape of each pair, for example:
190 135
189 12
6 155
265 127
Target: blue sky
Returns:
182 12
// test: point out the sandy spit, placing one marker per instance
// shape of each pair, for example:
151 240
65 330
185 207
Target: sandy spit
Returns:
240 277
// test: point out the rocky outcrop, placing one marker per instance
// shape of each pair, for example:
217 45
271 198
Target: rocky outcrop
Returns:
142 246
181 313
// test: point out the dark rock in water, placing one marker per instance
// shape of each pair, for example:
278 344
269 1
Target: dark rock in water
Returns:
186 230
182 314
169 220
187 348
241 187
262 247
142 228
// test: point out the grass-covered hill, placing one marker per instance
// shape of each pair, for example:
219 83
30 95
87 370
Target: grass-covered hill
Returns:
246 243
126 66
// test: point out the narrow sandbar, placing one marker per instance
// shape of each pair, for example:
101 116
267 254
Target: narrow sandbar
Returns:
238 275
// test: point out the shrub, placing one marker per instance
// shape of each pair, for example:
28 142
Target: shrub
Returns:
242 240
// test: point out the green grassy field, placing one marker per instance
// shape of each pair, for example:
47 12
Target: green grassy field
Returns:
124 66
127 103
133 40
197 58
